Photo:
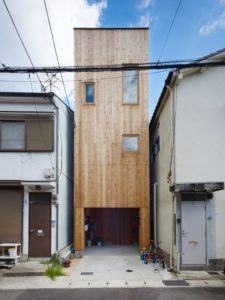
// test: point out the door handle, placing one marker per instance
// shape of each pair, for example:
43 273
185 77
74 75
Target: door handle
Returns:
31 230
193 242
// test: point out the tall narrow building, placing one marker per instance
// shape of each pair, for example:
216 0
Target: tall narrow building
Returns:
111 139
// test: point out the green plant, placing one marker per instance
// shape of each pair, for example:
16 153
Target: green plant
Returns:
54 268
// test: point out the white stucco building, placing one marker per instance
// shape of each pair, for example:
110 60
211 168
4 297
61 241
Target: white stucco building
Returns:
36 173
188 167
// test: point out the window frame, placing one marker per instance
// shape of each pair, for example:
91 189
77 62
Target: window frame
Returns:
138 143
137 88
155 149
25 121
84 87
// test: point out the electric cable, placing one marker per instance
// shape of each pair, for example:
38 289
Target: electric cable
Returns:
170 28
56 54
115 68
10 15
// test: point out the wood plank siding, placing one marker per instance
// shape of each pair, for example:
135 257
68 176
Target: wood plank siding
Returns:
106 176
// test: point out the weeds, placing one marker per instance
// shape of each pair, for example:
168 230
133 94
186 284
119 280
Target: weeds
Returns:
54 268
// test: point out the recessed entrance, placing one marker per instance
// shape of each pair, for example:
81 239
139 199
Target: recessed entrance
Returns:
112 226
40 225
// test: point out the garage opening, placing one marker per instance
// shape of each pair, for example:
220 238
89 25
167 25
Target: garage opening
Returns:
111 226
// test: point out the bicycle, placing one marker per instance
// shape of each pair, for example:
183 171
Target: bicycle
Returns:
154 254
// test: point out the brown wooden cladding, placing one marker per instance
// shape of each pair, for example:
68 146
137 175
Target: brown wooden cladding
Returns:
105 175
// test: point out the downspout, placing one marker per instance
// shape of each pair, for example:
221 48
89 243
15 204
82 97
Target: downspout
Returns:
172 160
155 212
57 176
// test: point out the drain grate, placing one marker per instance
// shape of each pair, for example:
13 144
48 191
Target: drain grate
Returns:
176 283
129 271
86 273
213 273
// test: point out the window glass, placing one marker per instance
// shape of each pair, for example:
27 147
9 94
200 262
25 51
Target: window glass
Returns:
12 135
89 92
130 87
130 143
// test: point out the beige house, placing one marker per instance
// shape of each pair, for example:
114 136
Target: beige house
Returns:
111 139
187 167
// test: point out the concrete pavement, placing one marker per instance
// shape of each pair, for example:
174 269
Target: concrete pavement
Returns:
104 267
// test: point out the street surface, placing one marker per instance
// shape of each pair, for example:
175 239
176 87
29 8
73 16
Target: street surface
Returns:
188 293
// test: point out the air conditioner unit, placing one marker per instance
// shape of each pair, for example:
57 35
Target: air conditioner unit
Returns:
49 174
54 198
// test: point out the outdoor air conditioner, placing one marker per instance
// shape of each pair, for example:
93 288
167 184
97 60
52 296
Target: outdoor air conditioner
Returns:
49 174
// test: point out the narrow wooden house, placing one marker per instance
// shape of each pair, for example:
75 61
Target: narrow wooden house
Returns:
111 138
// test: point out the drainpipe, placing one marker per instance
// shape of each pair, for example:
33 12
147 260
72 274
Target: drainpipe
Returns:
172 160
155 212
172 235
57 177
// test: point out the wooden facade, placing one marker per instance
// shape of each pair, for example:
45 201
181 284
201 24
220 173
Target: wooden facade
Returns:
106 176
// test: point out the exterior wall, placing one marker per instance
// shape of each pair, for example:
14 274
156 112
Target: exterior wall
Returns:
200 142
160 168
65 177
105 176
27 166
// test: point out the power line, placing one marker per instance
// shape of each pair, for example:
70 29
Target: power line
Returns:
115 68
79 80
54 44
59 172
43 88
170 28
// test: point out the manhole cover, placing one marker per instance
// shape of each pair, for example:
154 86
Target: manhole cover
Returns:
86 273
213 273
129 271
175 283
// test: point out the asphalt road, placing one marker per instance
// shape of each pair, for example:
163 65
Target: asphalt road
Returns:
116 294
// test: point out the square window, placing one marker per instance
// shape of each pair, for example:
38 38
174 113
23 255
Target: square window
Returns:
130 87
89 93
12 136
131 143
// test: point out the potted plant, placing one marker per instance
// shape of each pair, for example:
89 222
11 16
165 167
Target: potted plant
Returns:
66 263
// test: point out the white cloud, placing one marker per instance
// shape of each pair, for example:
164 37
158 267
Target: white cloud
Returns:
212 26
146 20
144 4
31 20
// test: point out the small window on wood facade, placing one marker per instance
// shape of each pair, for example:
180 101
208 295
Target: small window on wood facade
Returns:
89 90
130 143
130 87
31 134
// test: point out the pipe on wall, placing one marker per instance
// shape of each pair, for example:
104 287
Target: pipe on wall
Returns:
155 212
170 172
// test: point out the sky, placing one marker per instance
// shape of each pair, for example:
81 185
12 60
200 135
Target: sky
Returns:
198 30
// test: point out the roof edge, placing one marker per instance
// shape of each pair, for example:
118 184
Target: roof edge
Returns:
161 97
27 94
169 79
111 28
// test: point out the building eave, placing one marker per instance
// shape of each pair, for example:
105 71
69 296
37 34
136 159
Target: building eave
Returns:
172 76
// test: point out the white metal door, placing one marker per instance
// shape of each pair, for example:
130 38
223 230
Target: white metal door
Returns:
193 232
